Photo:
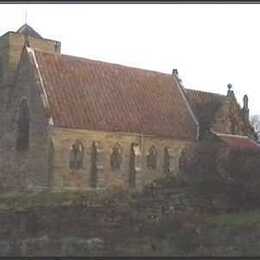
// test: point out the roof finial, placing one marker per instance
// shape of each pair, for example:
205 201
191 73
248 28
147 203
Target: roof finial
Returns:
245 108
175 72
245 102
230 92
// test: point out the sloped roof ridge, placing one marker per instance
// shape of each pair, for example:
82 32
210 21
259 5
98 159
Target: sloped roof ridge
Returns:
43 94
78 58
205 92
239 142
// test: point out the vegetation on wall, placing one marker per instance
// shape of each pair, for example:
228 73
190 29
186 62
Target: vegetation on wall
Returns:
151 221
219 174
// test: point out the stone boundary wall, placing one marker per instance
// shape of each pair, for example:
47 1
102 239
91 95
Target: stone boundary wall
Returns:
88 229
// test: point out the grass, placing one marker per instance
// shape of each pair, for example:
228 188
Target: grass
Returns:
25 201
242 219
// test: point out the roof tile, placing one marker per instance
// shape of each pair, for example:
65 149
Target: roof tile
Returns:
240 143
95 95
204 105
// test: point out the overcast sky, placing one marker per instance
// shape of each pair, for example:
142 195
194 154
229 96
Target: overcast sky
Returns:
211 45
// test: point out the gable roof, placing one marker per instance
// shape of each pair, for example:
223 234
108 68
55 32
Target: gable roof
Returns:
205 105
29 31
239 143
95 95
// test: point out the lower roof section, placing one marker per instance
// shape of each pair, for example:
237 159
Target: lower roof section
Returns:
239 143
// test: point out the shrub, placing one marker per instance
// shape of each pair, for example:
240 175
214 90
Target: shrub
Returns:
214 171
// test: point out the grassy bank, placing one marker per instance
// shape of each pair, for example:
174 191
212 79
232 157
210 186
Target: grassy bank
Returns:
236 220
26 201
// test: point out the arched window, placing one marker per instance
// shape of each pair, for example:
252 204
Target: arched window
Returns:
23 126
166 164
135 163
76 155
116 157
151 158
94 168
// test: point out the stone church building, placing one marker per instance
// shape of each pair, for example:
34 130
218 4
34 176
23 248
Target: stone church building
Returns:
70 123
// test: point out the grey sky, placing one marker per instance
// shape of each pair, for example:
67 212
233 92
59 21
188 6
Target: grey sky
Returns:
210 45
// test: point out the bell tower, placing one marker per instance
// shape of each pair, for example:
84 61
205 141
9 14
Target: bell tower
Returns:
11 46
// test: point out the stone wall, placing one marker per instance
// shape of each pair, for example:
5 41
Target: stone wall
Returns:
113 226
24 169
230 120
163 223
4 57
27 169
66 178
11 46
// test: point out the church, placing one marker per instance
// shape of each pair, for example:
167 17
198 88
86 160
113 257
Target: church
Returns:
71 123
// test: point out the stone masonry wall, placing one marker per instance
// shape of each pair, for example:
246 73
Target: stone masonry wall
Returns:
91 228
66 178
230 114
4 53
24 169
163 223
11 46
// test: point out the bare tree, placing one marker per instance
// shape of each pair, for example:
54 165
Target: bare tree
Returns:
255 122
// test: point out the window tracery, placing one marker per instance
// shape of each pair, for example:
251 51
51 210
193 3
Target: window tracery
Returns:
76 155
151 158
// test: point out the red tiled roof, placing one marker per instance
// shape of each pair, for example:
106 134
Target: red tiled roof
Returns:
205 105
239 143
94 95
